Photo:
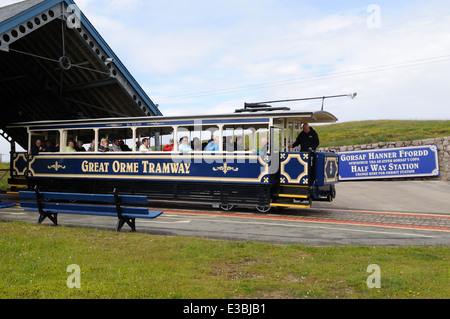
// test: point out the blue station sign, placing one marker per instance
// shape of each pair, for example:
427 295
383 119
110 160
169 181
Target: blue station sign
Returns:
420 161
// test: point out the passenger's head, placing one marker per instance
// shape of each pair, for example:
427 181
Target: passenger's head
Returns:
71 143
104 142
80 143
264 141
145 141
306 128
184 140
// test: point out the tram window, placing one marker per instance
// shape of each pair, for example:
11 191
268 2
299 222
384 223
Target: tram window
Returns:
197 137
80 138
49 140
167 140
262 139
209 135
118 139
154 135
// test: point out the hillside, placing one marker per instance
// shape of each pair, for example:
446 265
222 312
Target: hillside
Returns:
366 132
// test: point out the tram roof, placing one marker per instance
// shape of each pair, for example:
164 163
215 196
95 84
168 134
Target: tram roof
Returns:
55 69
234 118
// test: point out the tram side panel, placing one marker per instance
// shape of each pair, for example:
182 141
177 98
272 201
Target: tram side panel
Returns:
326 170
218 178
306 177
226 179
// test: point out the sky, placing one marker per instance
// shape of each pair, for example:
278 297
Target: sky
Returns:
210 57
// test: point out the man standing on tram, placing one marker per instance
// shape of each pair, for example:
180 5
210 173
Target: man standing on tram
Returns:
308 139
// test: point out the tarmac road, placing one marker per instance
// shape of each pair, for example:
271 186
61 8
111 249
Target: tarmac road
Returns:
413 213
401 196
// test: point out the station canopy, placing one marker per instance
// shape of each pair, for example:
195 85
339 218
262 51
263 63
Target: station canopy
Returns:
54 65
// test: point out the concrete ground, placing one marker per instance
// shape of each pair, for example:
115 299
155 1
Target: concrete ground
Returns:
394 196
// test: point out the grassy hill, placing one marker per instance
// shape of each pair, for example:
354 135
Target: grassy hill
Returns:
366 132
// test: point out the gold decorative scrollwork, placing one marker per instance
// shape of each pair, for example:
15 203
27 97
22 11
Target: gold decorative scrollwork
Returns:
56 167
225 169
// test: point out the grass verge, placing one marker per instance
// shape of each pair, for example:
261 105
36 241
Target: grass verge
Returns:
34 261
367 132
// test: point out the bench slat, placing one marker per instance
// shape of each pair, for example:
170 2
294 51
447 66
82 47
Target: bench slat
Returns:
108 198
151 215
129 212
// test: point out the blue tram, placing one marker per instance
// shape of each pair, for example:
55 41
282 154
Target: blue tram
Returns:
239 159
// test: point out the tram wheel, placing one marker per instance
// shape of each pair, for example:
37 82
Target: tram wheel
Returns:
263 209
226 207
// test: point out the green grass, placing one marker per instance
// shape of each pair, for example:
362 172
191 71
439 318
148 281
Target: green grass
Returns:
4 181
367 132
34 260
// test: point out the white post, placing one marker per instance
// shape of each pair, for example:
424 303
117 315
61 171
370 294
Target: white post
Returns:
133 129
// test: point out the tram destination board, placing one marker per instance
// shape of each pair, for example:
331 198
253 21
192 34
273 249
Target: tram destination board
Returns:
420 161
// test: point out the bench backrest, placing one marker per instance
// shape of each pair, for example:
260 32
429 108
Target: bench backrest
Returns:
87 209
106 198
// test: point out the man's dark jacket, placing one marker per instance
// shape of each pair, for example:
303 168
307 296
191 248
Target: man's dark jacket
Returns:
307 140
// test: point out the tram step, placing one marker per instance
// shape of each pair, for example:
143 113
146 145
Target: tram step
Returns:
293 196
290 205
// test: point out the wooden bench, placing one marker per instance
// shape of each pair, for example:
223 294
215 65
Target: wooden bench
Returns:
50 204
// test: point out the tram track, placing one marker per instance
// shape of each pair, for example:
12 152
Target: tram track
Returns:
367 218
314 226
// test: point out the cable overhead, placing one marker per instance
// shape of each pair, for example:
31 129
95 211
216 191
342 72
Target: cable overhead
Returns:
380 68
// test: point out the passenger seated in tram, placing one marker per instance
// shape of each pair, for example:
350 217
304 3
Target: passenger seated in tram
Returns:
213 145
196 144
116 146
264 149
104 146
36 148
124 147
79 147
229 145
240 144
49 147
184 147
92 146
145 145
204 144
70 148
168 147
